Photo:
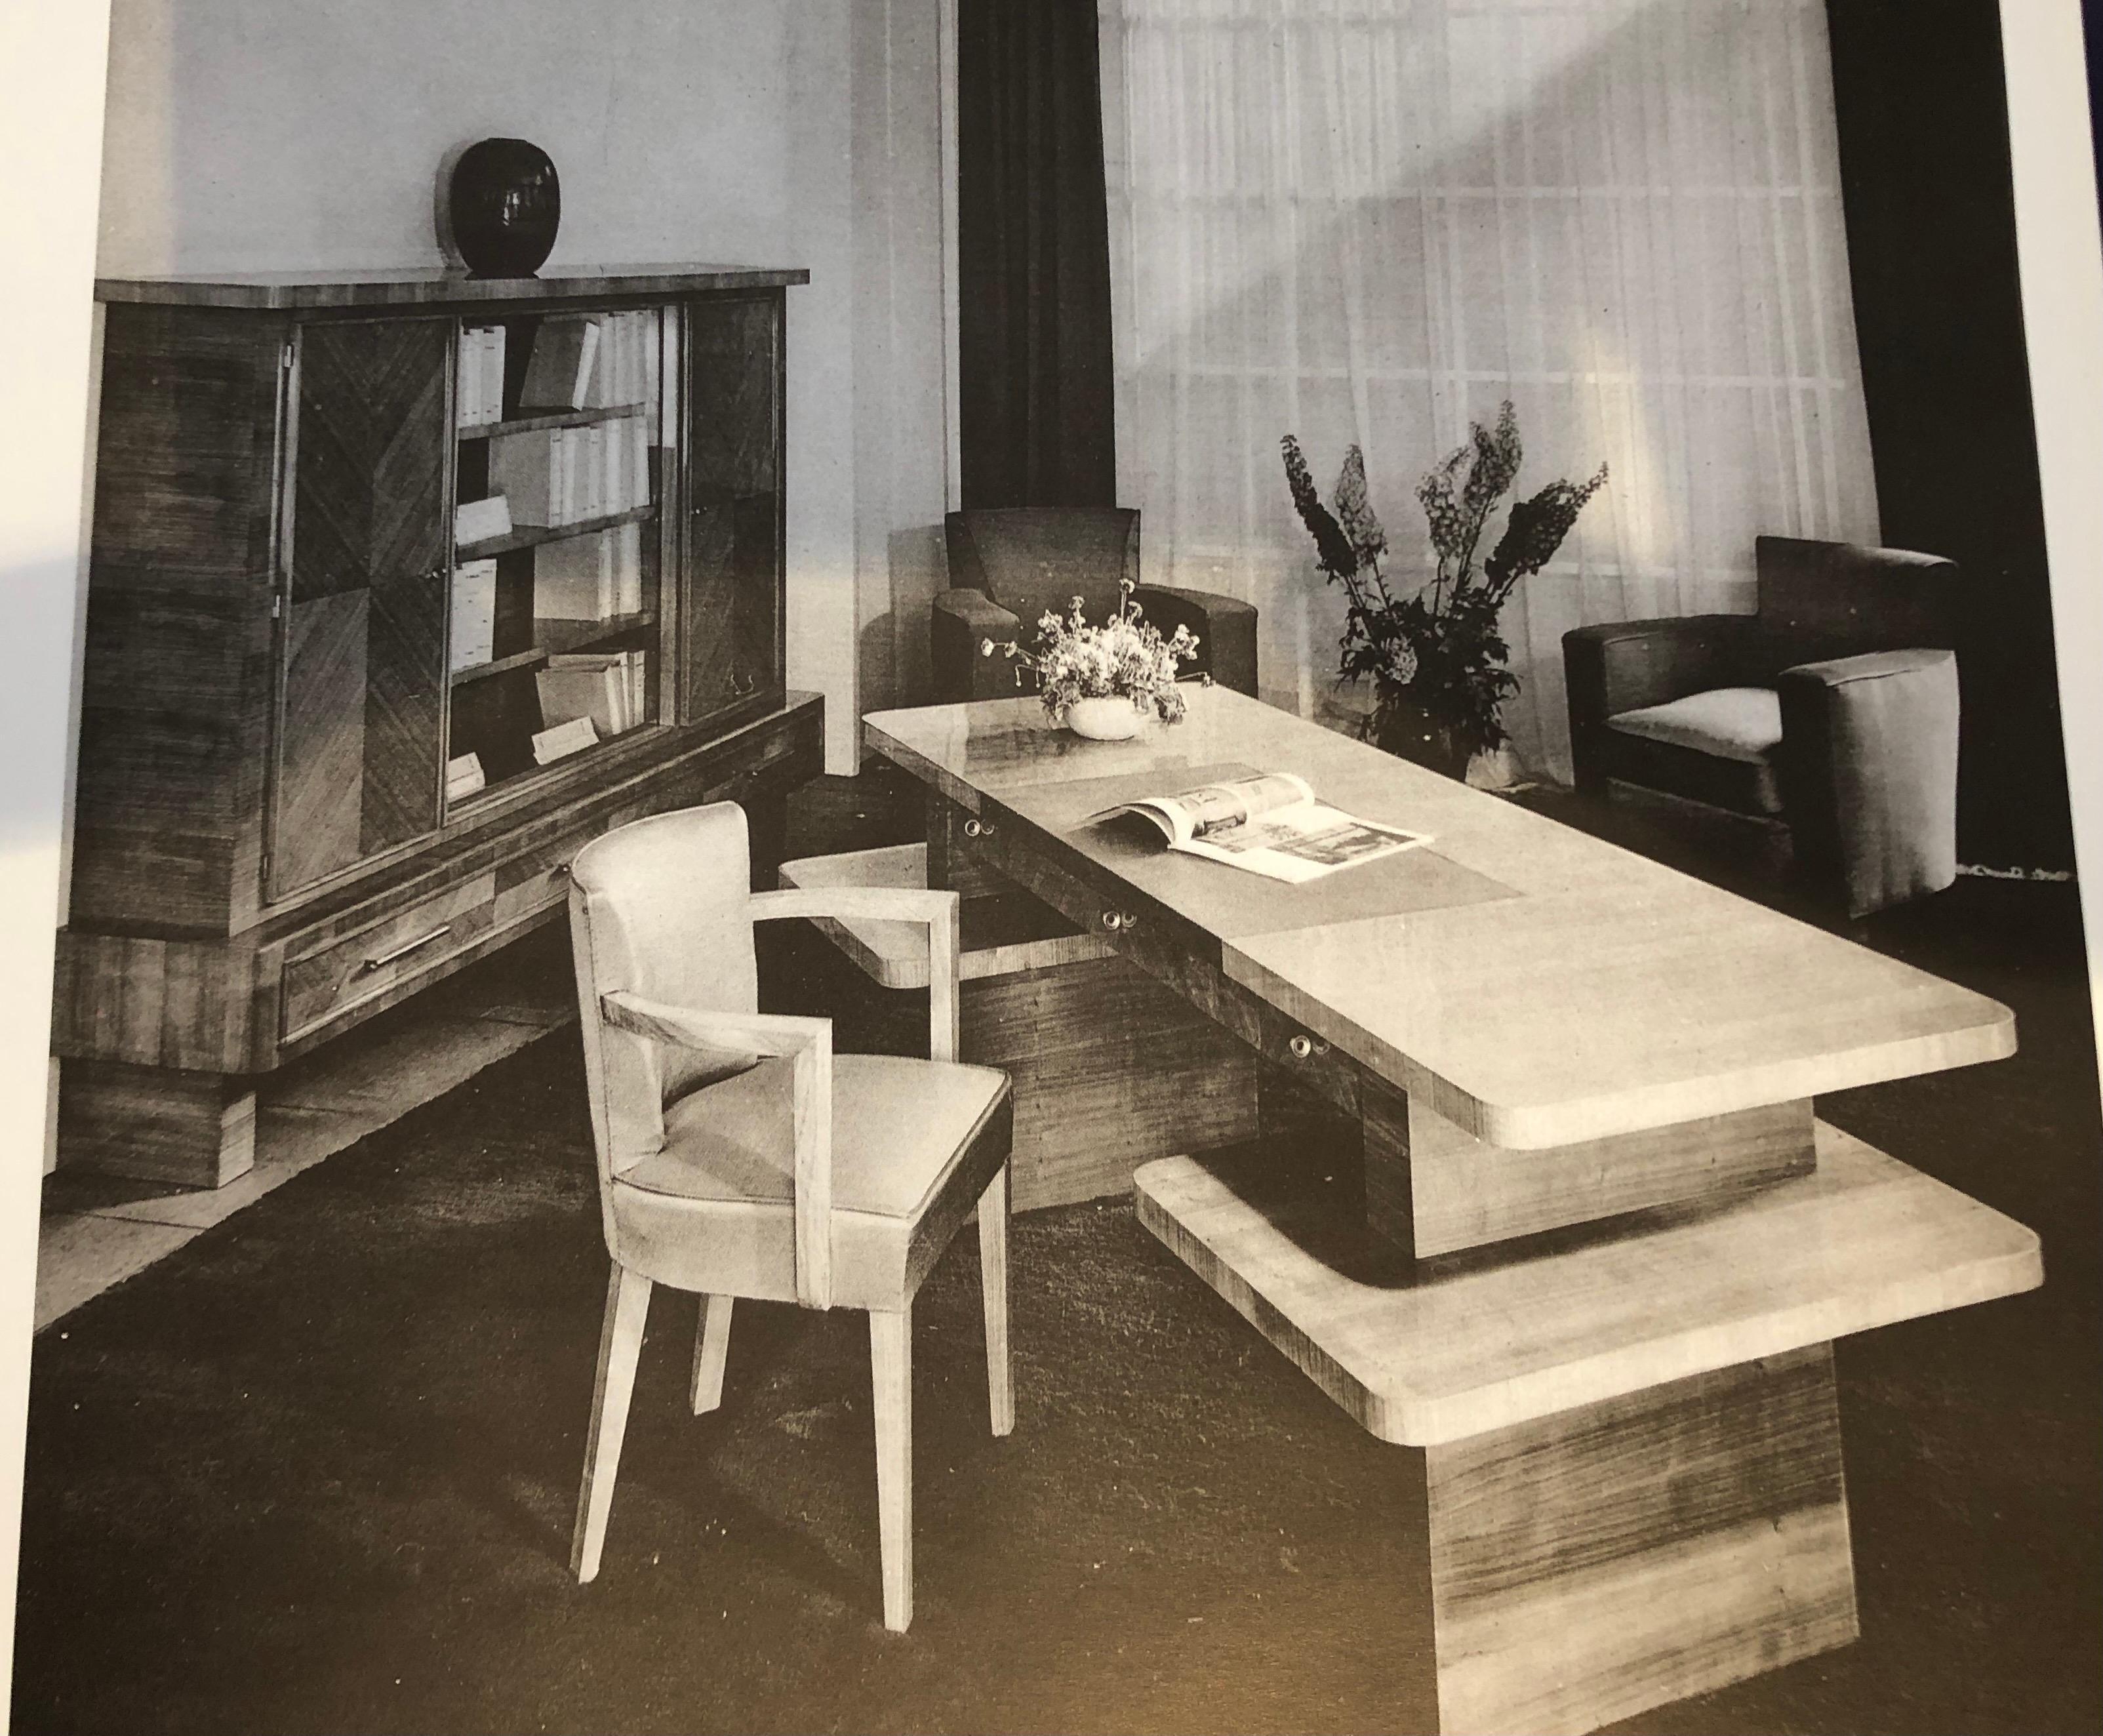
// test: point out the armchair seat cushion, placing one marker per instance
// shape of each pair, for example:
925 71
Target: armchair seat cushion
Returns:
1742 723
898 1126
1720 747
914 1144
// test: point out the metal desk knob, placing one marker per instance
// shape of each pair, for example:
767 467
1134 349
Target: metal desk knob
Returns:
978 829
1131 921
1301 1047
1113 921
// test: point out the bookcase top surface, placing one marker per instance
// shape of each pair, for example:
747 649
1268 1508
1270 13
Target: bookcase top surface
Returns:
422 286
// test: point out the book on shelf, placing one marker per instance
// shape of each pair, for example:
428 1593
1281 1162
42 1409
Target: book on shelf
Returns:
1268 823
480 391
574 580
627 569
464 777
626 355
558 374
477 521
605 686
559 476
474 614
563 739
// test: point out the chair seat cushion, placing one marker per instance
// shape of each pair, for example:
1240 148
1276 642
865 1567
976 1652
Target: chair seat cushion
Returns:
898 1125
1740 723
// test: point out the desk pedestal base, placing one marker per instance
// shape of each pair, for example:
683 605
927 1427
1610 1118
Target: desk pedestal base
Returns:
1591 1565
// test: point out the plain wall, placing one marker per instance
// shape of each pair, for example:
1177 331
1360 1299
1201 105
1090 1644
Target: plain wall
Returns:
255 135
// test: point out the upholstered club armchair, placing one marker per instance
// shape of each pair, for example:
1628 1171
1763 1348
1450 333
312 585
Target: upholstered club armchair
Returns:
1008 565
1833 708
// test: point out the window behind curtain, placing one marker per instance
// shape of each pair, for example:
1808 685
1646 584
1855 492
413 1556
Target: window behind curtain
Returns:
1372 222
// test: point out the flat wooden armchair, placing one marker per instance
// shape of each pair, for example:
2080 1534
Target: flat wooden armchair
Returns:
738 1155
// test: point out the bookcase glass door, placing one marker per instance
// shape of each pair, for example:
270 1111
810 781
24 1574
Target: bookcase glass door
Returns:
555 623
364 616
733 547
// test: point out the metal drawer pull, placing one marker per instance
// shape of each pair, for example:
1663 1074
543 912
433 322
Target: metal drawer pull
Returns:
978 829
1302 1046
407 947
1131 921
1113 921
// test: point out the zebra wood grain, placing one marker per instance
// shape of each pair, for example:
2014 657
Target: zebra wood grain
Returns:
373 492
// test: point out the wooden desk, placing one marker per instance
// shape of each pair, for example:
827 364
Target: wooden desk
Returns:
1605 1246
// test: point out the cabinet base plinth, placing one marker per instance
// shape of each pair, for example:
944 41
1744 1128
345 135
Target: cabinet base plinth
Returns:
156 1124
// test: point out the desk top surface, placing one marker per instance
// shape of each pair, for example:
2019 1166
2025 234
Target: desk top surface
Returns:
1538 986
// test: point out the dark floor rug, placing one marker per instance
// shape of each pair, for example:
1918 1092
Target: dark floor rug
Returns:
315 1472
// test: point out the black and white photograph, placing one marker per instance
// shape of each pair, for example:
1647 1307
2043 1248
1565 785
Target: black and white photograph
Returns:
1127 866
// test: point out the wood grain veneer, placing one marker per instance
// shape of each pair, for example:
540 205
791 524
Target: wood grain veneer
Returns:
1430 1359
1606 1560
432 286
267 713
1604 994
154 1124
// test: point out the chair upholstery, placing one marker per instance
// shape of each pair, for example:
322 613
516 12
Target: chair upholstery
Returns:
738 1155
1835 707
1009 566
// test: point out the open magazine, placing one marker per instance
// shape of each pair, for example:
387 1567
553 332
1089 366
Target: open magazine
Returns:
1269 824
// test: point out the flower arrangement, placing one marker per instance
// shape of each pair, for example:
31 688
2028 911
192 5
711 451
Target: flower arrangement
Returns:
1125 657
1437 660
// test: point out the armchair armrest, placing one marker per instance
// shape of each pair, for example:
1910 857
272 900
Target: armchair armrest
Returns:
1869 771
1621 666
940 911
810 1042
958 623
1224 628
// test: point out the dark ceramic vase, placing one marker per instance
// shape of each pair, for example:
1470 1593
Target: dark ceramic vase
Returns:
1406 727
505 203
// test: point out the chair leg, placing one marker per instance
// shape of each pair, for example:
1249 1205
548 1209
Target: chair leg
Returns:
711 1346
890 1367
992 1283
620 1341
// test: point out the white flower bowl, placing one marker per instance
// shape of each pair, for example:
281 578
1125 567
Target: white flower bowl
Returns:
1111 718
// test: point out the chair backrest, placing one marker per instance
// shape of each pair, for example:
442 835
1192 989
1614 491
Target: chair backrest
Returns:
1839 599
659 908
1030 559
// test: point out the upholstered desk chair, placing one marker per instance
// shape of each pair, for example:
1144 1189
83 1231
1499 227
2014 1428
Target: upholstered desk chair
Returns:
739 1155
1009 565
1833 708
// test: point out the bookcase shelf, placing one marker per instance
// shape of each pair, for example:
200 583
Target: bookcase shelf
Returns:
553 637
529 658
533 536
540 420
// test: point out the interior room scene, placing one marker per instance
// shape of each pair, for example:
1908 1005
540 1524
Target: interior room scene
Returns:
1152 866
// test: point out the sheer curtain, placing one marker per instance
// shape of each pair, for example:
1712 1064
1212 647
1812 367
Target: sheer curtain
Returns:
1371 220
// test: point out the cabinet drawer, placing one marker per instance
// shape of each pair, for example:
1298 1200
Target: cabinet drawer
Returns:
325 984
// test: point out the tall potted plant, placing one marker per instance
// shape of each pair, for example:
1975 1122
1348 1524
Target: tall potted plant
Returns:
1438 665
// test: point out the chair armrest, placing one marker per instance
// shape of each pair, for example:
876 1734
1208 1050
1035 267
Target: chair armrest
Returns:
1621 666
1224 628
1869 771
809 1041
958 623
941 912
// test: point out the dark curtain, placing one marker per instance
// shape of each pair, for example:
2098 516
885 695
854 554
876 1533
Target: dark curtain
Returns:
1929 198
1035 383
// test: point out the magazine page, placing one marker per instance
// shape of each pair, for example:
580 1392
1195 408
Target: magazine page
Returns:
1209 808
1302 842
